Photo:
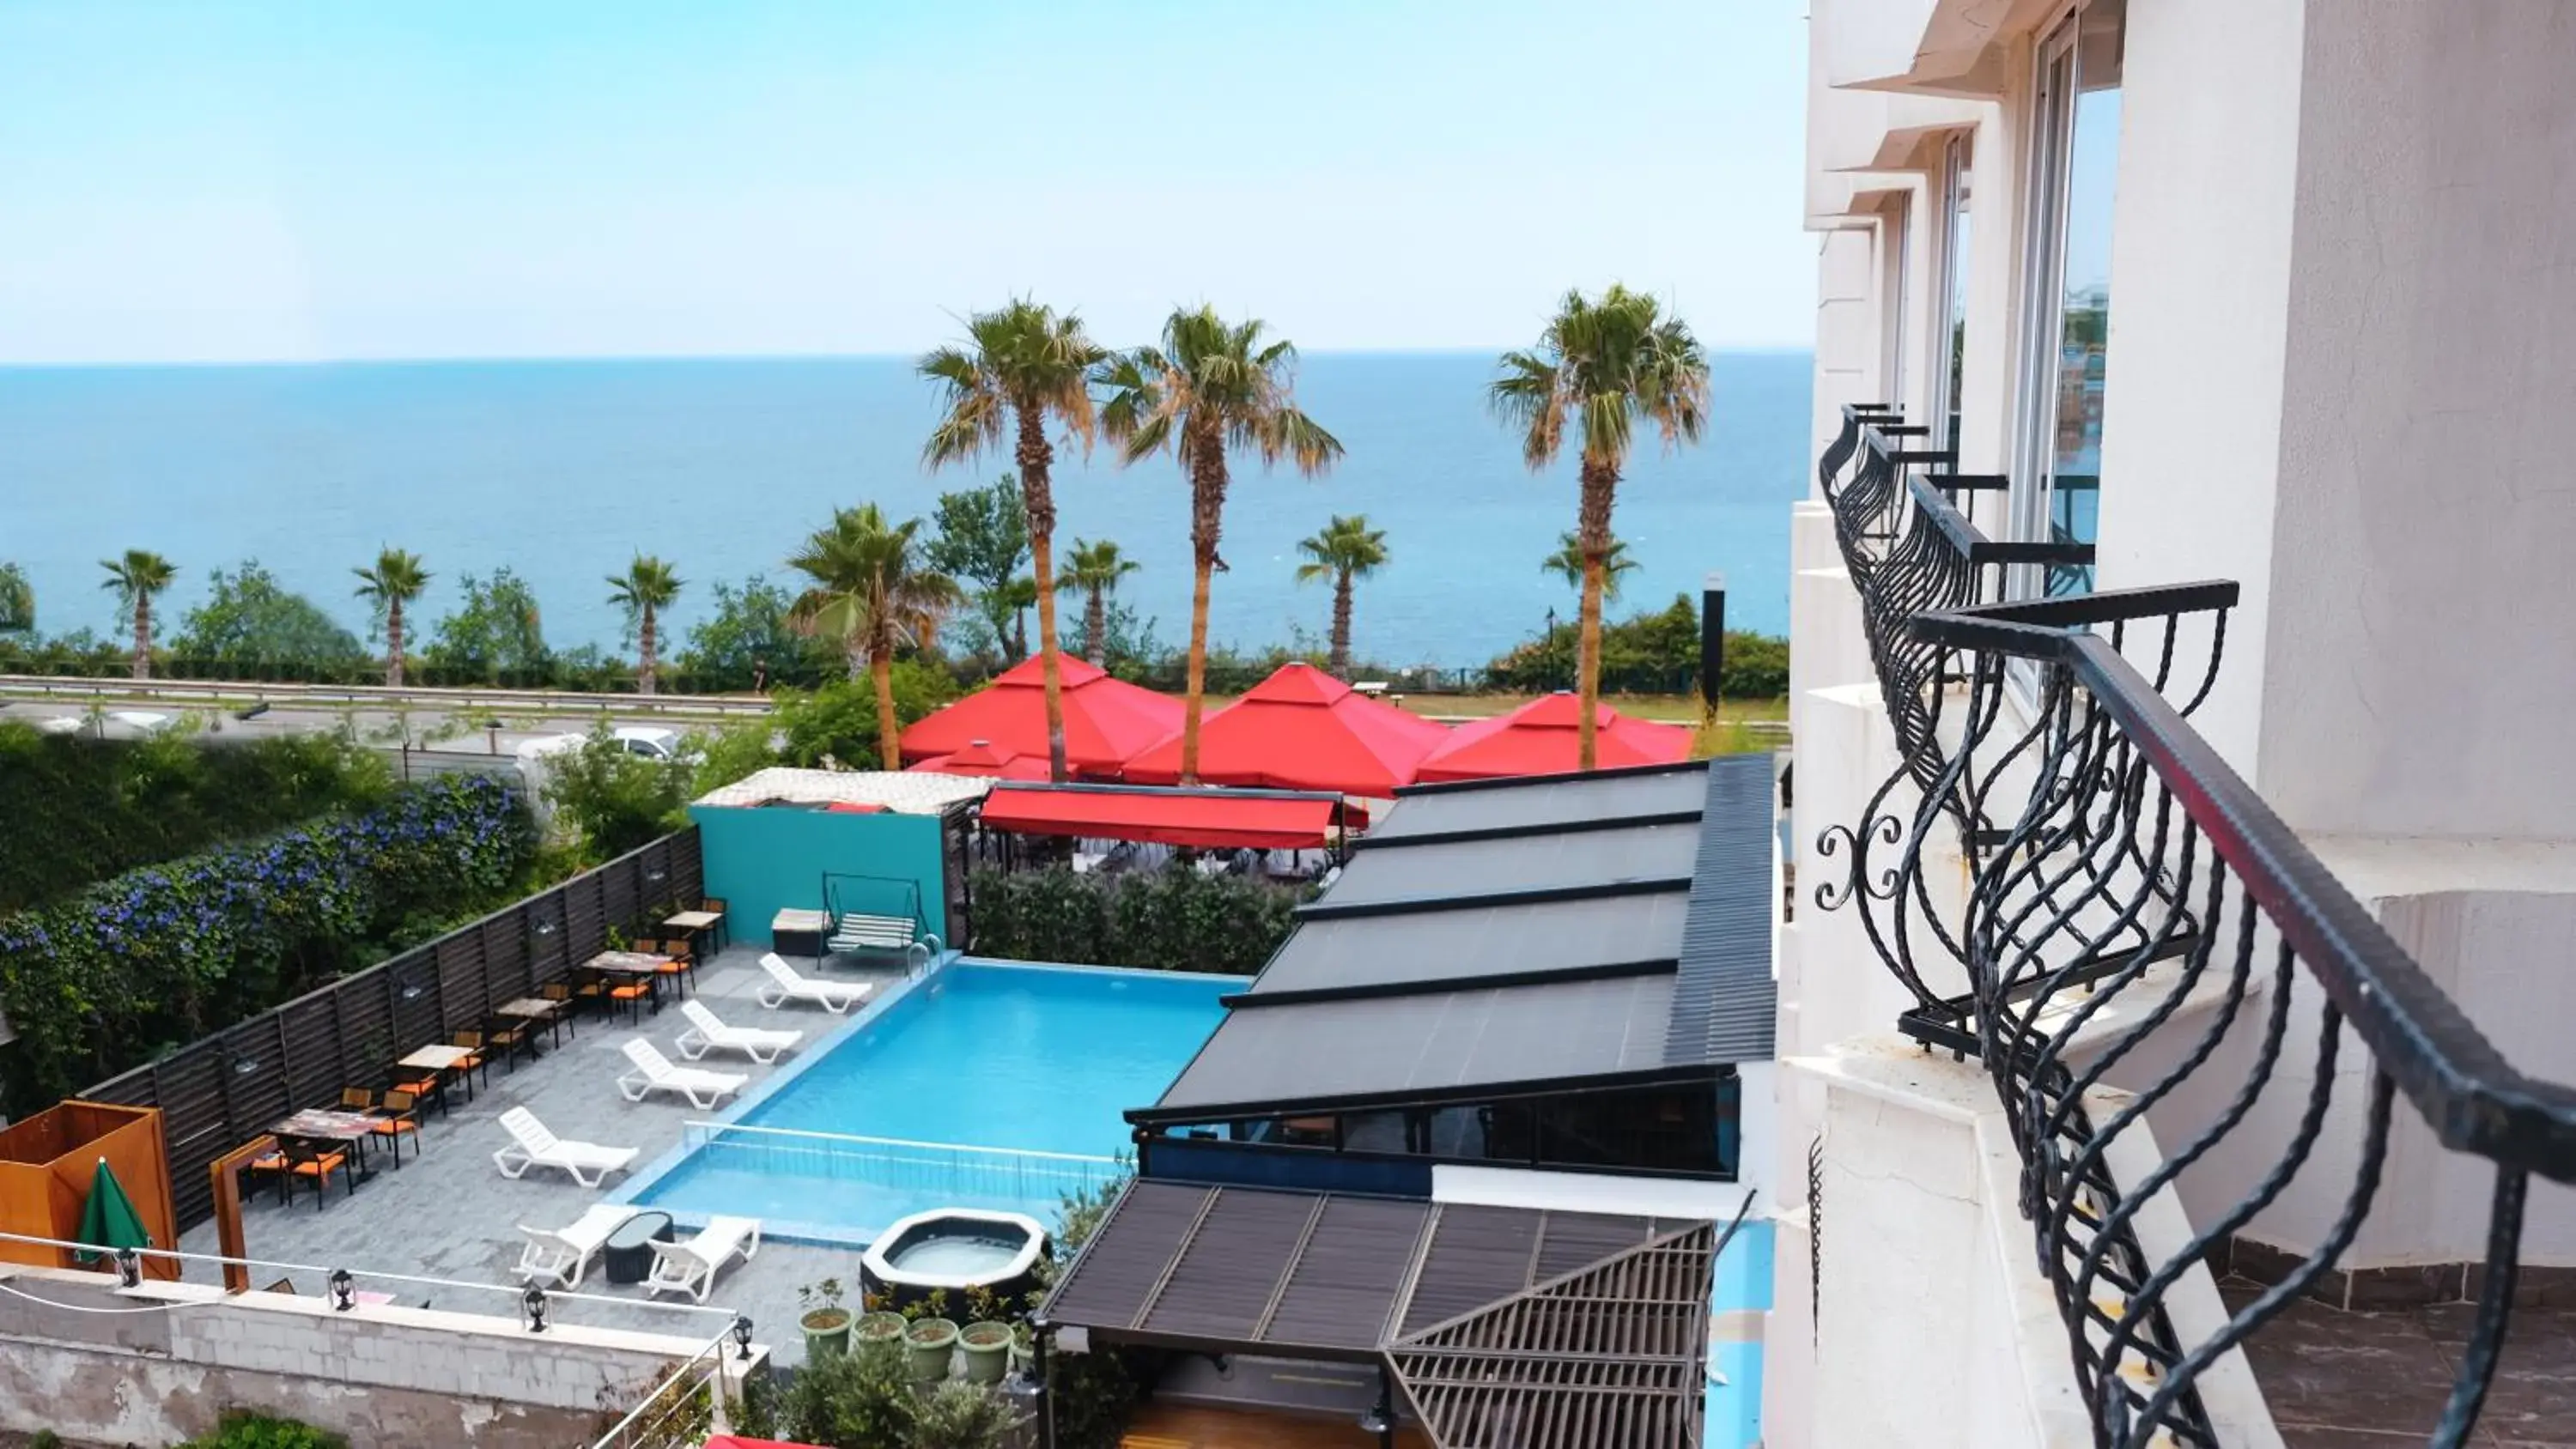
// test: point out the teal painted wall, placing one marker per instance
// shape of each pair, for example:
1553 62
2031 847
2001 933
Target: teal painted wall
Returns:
760 861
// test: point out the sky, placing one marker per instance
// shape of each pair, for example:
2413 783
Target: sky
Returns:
205 181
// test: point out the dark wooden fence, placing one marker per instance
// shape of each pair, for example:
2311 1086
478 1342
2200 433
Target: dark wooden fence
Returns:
217 1093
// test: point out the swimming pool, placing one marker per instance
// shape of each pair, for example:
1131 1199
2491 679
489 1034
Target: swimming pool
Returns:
985 1085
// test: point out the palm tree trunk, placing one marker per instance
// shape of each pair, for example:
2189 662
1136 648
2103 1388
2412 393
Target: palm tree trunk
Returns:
889 729
1341 660
644 652
1599 484
1095 629
1195 700
393 643
142 635
1038 498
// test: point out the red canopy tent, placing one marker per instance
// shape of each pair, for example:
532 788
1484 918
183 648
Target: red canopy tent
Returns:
1105 720
982 758
1301 729
1207 819
1539 739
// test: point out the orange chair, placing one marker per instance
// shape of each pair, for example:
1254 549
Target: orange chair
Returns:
682 963
472 1041
720 932
507 1035
307 1160
397 1118
632 991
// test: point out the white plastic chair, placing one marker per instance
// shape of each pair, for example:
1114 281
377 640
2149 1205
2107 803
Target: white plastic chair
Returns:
691 1267
705 1034
655 1073
531 1145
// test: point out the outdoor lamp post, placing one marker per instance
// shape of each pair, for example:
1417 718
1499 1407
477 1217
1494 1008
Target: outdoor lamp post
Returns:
344 1290
534 1301
742 1335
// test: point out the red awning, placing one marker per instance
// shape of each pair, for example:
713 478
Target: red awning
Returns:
1105 719
1539 739
1208 820
983 757
1301 729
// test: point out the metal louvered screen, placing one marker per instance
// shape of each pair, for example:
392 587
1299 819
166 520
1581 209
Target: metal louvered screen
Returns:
220 1092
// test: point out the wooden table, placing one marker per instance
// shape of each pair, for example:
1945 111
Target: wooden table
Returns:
633 963
443 1060
799 933
549 1014
694 924
321 1124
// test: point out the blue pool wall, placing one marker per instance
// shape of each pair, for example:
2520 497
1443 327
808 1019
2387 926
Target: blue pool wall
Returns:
761 860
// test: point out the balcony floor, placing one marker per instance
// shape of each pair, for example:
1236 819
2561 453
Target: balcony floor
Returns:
2345 1380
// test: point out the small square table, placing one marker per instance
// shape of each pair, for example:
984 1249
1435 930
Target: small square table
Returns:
443 1060
322 1124
633 963
799 933
694 924
539 1011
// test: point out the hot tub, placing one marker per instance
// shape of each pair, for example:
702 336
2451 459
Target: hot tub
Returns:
953 1250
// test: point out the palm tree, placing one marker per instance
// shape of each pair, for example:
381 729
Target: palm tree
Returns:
134 579
646 588
1211 386
394 582
1346 549
17 600
1095 569
1567 563
1020 366
872 592
1607 365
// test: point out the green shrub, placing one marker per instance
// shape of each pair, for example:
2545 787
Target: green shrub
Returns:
960 1415
108 806
243 1430
610 801
861 1399
837 722
1656 652
1168 920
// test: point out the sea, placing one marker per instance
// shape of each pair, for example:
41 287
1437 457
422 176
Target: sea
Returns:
564 470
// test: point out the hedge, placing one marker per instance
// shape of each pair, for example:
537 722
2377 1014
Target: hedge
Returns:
109 978
99 807
1171 920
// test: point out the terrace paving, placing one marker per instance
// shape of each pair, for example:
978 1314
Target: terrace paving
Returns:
448 1213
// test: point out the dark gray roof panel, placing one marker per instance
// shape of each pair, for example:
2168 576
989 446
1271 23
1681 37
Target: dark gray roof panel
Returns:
1540 802
1536 862
1725 998
1331 1051
1437 947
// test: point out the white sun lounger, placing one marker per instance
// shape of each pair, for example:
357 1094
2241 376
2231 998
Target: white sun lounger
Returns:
654 1073
531 1145
565 1253
691 1267
787 984
705 1034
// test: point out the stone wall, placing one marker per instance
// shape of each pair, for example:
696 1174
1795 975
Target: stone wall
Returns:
159 1363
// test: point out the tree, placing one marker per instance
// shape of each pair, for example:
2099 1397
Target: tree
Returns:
875 593
646 588
1606 366
1567 563
1095 569
389 588
1346 549
983 538
747 641
614 801
17 601
1020 367
135 579
1210 387
839 723
249 617
495 631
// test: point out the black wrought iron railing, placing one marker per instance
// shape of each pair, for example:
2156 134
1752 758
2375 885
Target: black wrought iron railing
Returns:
2124 886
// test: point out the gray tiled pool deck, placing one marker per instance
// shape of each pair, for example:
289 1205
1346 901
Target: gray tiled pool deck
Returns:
448 1213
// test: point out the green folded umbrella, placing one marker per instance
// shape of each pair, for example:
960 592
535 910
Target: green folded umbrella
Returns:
110 1220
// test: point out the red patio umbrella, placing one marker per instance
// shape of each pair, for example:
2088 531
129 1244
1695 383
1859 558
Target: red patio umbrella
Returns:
1301 729
1539 739
1105 719
983 758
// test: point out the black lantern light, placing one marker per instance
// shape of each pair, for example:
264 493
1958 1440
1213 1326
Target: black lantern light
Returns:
344 1290
129 1268
534 1301
742 1336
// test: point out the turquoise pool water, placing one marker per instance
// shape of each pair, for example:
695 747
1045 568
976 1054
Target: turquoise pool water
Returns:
986 1085
1734 1417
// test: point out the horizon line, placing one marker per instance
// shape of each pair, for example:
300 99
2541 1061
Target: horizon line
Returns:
462 359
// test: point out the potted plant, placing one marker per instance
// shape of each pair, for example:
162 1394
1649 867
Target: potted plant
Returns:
1024 1345
826 1322
928 1345
987 1346
880 1326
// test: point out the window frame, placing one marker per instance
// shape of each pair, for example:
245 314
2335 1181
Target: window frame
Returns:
1958 194
2048 182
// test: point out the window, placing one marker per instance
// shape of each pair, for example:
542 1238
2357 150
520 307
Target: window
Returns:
2075 152
1899 235
1950 332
